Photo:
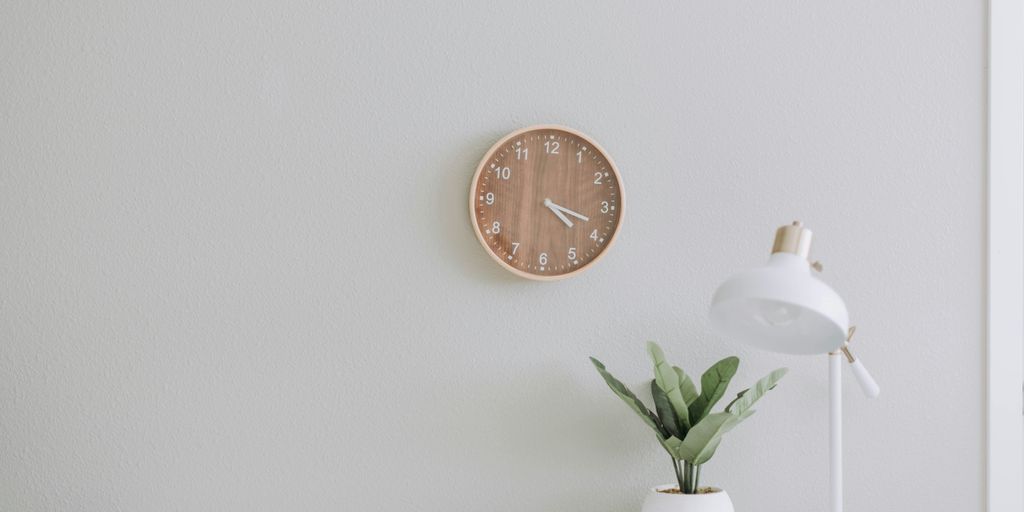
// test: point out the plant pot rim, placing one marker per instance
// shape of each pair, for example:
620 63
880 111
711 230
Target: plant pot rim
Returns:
664 487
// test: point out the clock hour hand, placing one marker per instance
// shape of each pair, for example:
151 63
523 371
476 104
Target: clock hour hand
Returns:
570 212
554 209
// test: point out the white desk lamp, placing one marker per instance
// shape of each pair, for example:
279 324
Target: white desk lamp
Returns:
783 307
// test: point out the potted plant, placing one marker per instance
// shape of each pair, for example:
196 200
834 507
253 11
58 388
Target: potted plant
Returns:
686 427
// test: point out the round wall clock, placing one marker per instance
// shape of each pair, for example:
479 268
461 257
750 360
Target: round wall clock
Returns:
546 202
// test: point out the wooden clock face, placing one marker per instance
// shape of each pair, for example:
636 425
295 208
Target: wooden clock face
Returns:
546 202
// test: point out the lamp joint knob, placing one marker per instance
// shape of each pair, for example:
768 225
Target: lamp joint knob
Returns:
845 349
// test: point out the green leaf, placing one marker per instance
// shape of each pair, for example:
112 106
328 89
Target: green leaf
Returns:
668 380
746 398
671 445
712 386
734 400
686 386
703 439
631 400
665 411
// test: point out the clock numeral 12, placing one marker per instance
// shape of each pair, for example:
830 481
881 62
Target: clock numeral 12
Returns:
551 147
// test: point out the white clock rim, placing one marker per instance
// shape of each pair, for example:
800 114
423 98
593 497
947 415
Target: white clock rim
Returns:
480 169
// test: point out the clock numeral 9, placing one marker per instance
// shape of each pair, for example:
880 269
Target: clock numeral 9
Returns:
503 173
496 227
551 147
543 259
572 253
522 153
593 235
489 198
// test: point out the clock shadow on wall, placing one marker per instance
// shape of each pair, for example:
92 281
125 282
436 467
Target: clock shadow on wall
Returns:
546 202
462 252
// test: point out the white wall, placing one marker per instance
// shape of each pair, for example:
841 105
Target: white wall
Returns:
236 270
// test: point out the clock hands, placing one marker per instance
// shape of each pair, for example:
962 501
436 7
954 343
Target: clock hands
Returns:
570 212
554 209
558 211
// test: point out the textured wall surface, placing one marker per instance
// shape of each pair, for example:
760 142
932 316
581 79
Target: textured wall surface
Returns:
236 269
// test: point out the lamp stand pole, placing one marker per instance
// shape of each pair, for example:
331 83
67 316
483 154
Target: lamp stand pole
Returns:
835 414
835 424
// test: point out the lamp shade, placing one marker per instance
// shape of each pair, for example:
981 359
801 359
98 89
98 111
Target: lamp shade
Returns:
781 307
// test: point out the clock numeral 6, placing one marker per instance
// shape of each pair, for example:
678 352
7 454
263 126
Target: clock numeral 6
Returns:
502 173
604 206
496 227
551 147
489 198
593 235
572 253
543 259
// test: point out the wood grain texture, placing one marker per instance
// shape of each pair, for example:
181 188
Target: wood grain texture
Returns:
516 178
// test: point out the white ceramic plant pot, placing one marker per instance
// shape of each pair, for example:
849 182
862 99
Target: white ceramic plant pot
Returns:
663 502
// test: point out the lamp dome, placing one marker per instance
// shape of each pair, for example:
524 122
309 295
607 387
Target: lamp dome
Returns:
781 307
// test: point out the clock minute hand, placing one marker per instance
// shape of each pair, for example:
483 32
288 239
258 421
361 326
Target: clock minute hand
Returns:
570 212
553 207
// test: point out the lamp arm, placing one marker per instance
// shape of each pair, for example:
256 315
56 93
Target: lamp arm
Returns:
866 381
864 378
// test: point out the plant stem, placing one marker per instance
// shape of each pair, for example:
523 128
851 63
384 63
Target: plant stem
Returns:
696 479
687 478
679 474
